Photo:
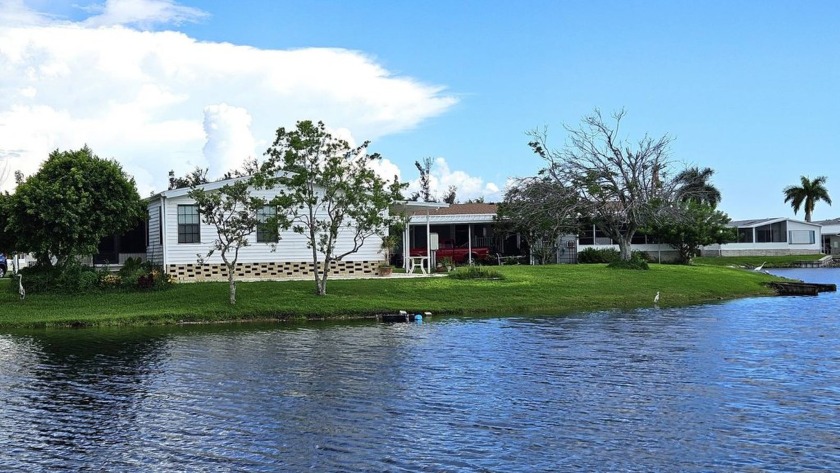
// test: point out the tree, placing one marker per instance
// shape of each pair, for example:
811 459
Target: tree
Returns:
809 193
72 202
327 190
540 209
693 184
233 212
425 170
8 240
450 195
617 182
689 225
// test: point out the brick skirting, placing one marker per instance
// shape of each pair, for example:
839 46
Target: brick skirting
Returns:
273 270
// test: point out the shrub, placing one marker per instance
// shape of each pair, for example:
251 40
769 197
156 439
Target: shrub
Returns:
88 280
476 272
72 278
154 277
75 278
110 281
637 261
592 256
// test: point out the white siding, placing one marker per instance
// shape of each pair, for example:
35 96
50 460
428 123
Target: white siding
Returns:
789 247
154 250
290 247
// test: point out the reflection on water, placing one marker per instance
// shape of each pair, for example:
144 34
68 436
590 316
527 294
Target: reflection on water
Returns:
744 385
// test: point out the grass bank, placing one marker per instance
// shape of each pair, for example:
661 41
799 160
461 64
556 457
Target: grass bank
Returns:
555 289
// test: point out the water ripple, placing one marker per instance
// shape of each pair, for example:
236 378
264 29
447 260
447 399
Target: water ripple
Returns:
750 385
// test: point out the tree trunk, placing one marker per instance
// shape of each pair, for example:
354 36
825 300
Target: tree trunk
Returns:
624 247
322 282
232 283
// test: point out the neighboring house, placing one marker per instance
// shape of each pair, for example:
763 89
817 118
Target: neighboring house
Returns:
763 237
591 237
468 225
179 241
830 236
770 237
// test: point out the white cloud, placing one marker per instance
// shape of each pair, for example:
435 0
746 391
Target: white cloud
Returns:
143 13
15 12
229 139
468 187
147 98
385 169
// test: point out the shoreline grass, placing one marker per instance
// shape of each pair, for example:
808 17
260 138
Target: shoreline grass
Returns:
554 289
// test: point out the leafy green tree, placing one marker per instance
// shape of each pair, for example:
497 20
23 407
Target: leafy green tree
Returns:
541 210
327 190
808 193
8 240
689 225
233 212
72 202
619 183
693 184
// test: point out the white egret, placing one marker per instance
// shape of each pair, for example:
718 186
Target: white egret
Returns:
21 290
760 267
656 298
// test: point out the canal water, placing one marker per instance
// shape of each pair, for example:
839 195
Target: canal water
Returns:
747 385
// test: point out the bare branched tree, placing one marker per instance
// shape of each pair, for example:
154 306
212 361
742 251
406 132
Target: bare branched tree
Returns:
425 169
451 195
618 183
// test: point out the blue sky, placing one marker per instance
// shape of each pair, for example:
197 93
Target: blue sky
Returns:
748 88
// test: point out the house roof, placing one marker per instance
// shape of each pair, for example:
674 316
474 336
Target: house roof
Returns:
766 221
830 227
454 214
181 191
462 209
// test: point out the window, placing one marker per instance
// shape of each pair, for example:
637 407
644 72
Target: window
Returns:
802 237
189 224
266 233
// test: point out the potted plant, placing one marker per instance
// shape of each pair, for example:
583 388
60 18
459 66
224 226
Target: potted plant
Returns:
389 242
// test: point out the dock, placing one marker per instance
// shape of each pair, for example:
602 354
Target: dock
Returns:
801 288
824 262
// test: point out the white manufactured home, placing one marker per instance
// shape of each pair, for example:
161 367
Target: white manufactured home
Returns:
830 236
590 236
770 237
179 241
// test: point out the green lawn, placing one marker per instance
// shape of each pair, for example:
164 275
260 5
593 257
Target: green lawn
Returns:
554 289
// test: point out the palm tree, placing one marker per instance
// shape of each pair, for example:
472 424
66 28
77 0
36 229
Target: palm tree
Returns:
809 193
693 184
